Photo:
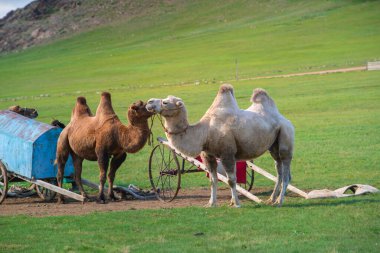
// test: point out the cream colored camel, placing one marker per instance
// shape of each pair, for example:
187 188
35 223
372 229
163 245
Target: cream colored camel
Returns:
231 134
100 138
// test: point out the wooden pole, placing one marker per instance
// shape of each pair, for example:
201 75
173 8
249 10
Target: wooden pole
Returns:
55 188
273 178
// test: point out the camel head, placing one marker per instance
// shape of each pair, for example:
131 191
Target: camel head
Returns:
138 110
27 112
167 107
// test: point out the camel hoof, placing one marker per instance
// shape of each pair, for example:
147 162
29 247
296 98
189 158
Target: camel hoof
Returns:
269 202
208 205
234 205
101 201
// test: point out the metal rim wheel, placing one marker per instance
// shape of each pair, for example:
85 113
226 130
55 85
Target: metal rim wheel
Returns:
250 178
46 194
3 182
164 173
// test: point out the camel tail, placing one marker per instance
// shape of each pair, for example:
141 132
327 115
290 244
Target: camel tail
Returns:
226 87
260 96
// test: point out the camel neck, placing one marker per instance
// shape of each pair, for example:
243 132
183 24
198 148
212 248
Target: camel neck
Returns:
134 136
189 139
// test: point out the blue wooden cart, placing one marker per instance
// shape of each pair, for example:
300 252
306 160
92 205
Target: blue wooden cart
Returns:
27 153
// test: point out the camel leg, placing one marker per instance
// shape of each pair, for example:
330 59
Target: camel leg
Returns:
115 164
277 187
286 177
103 160
63 149
278 164
78 164
61 161
230 168
211 164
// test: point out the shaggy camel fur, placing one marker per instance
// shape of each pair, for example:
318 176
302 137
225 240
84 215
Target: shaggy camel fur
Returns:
231 134
100 137
27 112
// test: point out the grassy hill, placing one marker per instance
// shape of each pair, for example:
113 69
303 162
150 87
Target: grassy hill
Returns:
189 41
186 48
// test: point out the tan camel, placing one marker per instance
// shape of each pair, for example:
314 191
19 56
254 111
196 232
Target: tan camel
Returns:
100 137
27 112
231 134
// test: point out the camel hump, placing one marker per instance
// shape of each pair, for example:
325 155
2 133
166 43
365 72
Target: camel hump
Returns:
81 100
105 105
226 87
106 96
81 108
260 96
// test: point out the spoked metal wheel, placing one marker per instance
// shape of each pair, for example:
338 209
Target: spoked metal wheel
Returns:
46 194
250 178
164 173
3 182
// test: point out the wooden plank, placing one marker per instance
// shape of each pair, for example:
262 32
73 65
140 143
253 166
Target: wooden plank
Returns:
203 167
273 178
55 188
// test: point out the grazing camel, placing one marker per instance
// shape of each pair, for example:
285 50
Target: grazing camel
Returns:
231 134
27 112
100 137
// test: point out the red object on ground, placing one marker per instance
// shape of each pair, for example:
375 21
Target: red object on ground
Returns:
241 167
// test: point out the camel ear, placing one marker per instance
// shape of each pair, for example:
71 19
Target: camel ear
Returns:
179 103
134 107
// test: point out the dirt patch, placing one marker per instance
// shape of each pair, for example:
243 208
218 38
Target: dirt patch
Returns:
34 206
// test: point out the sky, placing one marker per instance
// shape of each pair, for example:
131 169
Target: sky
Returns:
8 5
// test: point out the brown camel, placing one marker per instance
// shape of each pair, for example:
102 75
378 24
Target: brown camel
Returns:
100 137
27 112
231 134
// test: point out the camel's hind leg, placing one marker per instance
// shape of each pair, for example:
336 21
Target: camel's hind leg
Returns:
115 164
278 164
78 163
229 165
103 160
61 162
63 150
282 152
211 164
285 180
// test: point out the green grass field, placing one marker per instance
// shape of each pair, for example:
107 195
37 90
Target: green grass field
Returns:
336 117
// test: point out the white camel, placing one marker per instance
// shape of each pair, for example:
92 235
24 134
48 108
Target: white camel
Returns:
231 134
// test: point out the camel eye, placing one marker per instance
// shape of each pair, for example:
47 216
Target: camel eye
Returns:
165 102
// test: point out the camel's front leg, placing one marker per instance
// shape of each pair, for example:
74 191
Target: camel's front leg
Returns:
103 160
115 164
211 164
230 168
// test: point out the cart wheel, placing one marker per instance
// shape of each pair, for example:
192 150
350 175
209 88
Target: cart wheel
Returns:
46 194
3 182
250 178
164 173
